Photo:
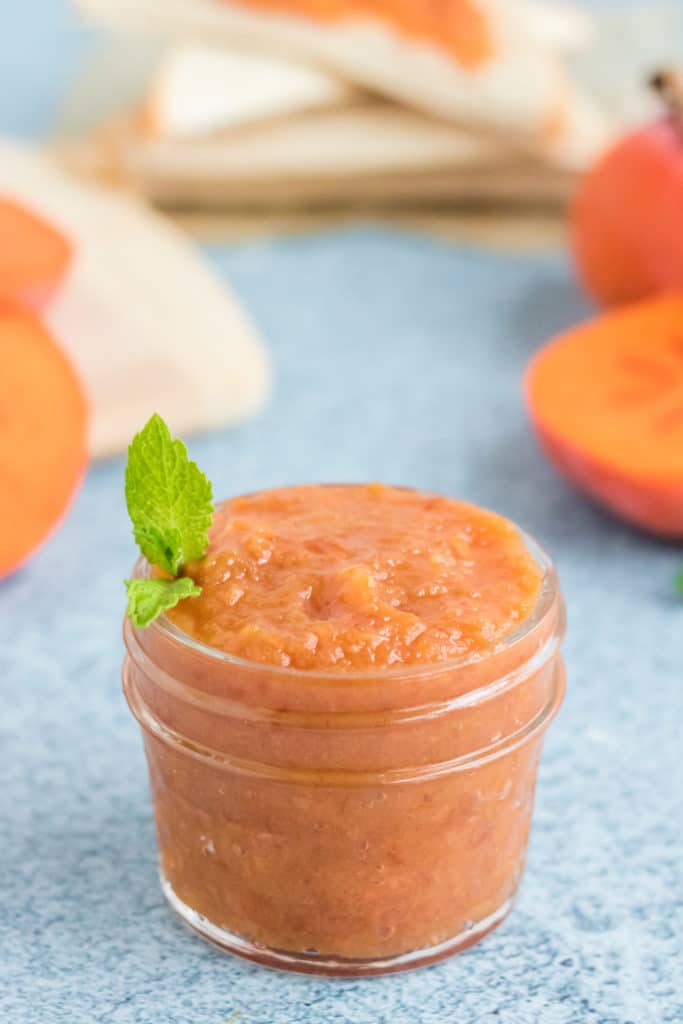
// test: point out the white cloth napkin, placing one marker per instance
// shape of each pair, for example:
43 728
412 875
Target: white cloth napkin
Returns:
147 323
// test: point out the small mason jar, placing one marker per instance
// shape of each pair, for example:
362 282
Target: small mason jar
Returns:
345 823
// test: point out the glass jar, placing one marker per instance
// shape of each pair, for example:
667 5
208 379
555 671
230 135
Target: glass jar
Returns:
345 823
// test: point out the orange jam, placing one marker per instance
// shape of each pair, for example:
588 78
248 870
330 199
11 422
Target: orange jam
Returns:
459 27
343 730
350 577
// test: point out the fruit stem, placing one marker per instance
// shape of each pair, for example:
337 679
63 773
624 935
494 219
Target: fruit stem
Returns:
668 83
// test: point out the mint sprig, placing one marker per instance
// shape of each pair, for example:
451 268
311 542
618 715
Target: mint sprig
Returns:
170 505
149 598
168 497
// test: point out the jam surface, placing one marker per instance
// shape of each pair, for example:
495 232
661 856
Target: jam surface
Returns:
354 577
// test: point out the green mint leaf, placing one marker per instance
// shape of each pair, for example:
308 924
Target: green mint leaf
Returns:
168 497
149 598
679 582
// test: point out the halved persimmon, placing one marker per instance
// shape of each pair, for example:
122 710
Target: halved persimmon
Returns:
43 446
34 255
606 399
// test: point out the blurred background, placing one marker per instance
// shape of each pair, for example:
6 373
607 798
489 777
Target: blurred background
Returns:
324 239
472 120
235 108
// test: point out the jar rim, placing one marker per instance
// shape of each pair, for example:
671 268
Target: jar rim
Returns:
546 601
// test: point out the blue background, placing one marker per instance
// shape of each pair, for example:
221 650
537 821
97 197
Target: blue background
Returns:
399 358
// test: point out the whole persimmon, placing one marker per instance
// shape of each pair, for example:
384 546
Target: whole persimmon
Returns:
627 221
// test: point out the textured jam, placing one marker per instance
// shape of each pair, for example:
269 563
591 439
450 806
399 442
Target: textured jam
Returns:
459 27
348 577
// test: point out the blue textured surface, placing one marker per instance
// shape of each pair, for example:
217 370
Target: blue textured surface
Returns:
441 335
397 358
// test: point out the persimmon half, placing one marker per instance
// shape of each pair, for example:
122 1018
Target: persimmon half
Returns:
606 399
34 255
627 220
43 441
